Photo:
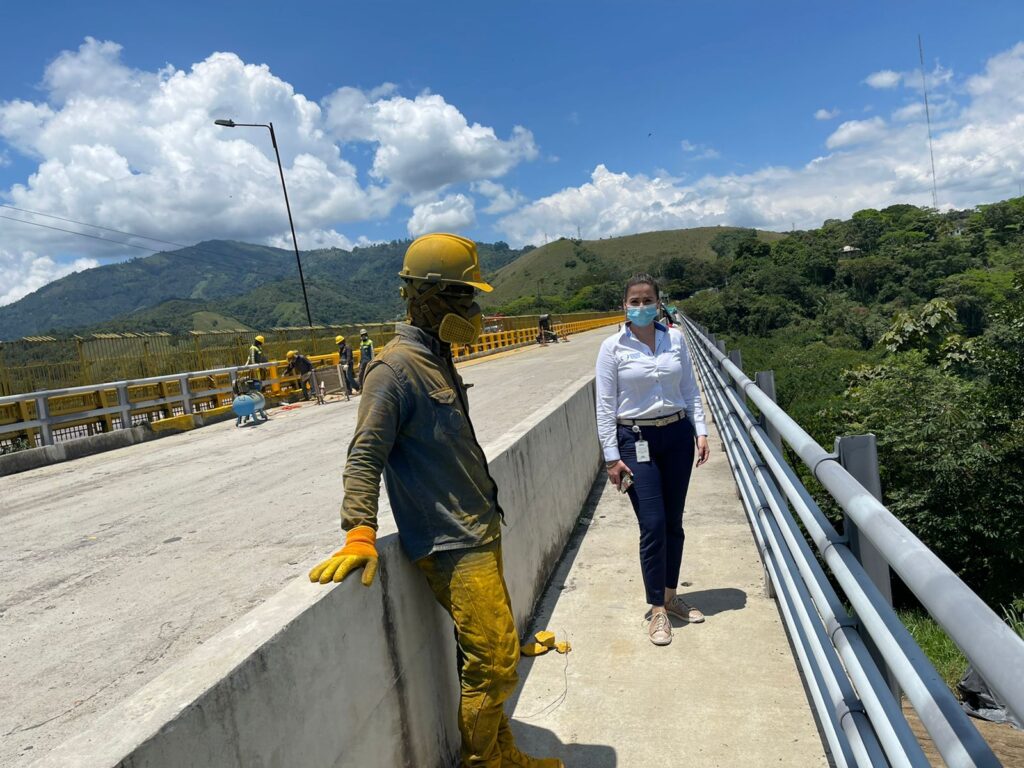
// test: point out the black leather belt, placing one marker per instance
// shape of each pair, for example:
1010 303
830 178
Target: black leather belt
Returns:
663 421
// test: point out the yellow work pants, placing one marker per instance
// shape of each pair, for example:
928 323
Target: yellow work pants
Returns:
469 585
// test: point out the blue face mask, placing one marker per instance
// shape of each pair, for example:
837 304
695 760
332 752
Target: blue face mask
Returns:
642 316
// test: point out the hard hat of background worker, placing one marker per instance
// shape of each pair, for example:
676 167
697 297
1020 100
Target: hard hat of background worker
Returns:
338 339
362 332
291 353
445 258
260 340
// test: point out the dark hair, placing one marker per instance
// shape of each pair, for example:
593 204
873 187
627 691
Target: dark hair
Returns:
642 278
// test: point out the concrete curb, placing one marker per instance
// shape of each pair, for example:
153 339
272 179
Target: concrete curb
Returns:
66 450
22 461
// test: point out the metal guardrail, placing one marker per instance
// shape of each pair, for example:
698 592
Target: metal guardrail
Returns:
39 418
855 664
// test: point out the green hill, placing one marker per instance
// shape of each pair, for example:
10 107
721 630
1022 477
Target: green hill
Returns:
588 269
249 285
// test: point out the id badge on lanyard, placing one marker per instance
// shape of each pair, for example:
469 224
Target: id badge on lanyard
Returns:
643 450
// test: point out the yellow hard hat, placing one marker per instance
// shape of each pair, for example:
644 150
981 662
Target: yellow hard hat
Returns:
291 353
338 339
260 339
444 258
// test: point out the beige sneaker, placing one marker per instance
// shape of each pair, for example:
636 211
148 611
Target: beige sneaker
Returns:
683 610
660 629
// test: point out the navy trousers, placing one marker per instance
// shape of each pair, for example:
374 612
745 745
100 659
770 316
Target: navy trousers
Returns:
658 496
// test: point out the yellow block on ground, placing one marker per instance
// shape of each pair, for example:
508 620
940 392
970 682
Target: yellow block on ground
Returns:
184 421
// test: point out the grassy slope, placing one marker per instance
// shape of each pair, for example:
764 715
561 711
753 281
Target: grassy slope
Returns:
629 253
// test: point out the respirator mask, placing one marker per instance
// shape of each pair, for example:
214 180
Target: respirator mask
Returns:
447 311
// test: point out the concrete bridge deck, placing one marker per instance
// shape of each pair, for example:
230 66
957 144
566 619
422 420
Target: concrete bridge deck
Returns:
726 693
119 565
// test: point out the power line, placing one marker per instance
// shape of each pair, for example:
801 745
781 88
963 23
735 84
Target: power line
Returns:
928 119
238 260
94 226
80 234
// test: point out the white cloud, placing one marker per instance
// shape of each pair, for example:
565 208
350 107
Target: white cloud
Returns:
698 151
424 143
137 151
909 112
885 78
888 79
979 157
856 132
311 239
826 114
451 214
502 200
24 272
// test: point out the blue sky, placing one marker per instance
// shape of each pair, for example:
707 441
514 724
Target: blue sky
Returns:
518 122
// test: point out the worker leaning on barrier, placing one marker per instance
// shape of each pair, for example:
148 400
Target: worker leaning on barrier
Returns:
413 426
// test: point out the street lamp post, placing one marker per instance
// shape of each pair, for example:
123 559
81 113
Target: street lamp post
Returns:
287 205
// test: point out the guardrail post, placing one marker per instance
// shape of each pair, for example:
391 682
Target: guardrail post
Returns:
765 381
186 394
736 358
858 454
124 406
43 415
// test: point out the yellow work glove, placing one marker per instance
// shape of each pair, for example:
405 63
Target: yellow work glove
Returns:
359 552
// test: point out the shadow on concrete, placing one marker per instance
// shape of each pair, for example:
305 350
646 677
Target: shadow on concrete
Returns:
714 601
541 742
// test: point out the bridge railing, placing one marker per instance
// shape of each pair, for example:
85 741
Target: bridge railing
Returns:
855 662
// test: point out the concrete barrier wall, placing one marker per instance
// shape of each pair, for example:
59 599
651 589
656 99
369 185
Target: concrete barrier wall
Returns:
349 676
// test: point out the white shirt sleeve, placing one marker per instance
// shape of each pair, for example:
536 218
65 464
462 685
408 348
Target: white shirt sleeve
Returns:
690 391
607 384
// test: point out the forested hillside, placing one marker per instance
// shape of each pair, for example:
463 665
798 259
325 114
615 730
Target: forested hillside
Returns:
574 275
909 324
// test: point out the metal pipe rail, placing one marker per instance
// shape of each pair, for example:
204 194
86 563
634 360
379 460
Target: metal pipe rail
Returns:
45 422
860 714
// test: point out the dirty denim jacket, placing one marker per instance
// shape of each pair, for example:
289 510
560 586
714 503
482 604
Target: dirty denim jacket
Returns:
413 425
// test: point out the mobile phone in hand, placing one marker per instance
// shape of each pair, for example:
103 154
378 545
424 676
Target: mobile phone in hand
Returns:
625 481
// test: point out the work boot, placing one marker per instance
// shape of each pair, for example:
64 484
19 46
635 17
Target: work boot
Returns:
511 757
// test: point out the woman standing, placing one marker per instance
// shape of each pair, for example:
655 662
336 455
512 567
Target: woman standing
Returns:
651 424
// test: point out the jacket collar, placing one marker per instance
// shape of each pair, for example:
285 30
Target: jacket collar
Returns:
424 339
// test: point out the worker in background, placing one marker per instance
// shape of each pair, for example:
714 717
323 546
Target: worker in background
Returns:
345 358
545 332
413 426
365 355
303 367
258 356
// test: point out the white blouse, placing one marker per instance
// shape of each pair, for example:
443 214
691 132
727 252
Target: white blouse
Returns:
633 383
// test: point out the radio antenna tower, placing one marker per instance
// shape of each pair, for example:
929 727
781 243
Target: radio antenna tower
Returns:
928 120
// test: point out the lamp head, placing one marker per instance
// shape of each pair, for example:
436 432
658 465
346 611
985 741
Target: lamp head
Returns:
225 123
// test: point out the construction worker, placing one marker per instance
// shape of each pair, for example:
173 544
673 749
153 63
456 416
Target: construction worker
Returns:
413 426
365 354
345 358
257 356
303 366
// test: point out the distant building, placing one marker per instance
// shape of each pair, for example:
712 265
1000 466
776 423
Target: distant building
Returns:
849 250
